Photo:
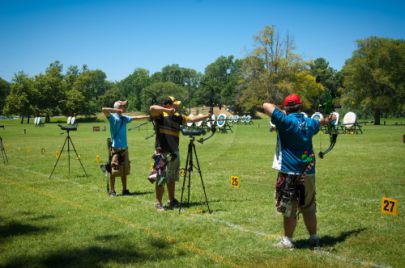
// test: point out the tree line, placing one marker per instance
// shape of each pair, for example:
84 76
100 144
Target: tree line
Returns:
372 82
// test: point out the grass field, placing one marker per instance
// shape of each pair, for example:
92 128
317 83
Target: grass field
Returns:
69 221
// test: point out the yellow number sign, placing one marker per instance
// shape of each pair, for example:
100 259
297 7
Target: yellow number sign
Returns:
235 182
389 206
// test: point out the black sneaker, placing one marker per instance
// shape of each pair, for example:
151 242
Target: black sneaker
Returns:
126 192
174 203
112 194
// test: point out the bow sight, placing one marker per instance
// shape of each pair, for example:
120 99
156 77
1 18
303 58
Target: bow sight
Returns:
190 131
68 128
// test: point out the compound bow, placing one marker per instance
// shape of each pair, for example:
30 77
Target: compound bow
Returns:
213 128
331 129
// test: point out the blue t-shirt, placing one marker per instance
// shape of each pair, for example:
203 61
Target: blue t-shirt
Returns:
118 132
294 142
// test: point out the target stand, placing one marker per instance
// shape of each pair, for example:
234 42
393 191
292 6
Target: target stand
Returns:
69 142
187 174
3 151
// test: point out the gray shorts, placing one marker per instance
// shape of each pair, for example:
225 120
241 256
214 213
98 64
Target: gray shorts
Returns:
172 167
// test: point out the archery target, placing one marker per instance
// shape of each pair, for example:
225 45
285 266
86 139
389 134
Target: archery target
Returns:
349 119
190 124
305 115
236 118
230 119
243 119
336 122
248 119
199 123
221 120
69 119
317 116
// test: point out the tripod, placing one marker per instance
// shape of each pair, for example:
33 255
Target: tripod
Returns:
187 174
3 152
69 141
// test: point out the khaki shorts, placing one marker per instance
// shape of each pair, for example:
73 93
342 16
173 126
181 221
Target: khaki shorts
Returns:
309 197
120 164
172 167
310 200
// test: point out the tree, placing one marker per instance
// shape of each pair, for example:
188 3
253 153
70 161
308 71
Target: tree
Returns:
4 91
274 71
21 98
49 91
374 77
131 87
91 84
180 76
223 73
157 92
330 79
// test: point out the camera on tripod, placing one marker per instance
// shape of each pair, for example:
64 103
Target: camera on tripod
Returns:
68 128
187 131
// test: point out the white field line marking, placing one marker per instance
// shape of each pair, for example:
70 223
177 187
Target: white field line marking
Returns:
258 233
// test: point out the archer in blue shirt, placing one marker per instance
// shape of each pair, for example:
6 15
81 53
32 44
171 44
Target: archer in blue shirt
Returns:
120 164
295 161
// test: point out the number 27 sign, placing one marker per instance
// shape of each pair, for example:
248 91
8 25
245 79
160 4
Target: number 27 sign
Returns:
389 206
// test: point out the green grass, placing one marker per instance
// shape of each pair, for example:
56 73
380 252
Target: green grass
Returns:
69 220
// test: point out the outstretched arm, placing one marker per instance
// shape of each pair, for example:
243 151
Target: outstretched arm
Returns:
107 111
198 118
140 117
269 108
156 110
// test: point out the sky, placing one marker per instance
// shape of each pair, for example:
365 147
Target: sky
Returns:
119 36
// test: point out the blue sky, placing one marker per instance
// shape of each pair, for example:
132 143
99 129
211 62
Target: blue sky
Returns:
119 36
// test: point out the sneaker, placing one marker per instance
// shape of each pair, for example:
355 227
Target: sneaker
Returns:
112 194
174 203
159 207
126 192
285 242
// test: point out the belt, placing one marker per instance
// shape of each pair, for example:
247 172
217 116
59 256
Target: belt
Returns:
119 149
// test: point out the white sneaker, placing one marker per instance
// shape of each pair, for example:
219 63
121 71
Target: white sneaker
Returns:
285 242
159 207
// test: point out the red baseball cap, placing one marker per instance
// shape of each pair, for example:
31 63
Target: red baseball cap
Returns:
291 100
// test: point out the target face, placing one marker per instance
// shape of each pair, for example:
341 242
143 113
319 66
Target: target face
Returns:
336 122
230 119
221 120
349 119
248 119
317 116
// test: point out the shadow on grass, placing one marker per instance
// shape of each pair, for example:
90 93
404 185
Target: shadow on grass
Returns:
329 241
137 193
14 228
97 256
